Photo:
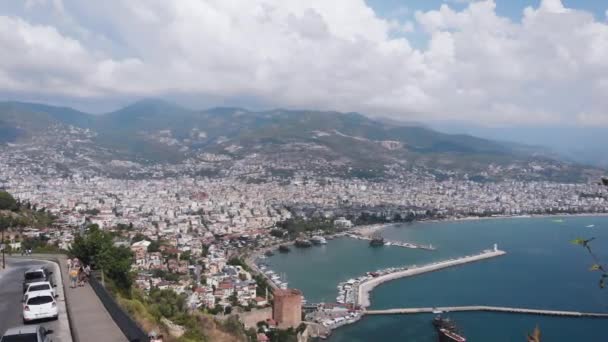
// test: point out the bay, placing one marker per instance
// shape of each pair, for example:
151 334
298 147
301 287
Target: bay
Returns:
542 269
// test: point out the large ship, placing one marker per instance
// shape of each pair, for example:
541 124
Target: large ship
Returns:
376 241
447 330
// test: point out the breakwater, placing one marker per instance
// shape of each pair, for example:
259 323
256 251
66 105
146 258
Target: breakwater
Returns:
405 311
364 288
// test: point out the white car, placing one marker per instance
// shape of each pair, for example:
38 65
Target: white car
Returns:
38 287
40 306
27 333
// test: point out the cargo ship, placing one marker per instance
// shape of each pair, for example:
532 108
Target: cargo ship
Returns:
447 330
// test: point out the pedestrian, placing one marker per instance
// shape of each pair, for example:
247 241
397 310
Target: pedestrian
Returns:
73 277
69 264
81 276
87 273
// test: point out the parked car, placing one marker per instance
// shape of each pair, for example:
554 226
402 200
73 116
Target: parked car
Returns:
40 286
40 306
27 333
35 275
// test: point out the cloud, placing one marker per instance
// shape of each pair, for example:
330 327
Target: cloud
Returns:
478 66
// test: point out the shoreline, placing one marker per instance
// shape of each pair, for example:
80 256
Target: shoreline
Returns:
368 230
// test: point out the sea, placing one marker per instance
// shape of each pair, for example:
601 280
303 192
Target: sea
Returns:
542 269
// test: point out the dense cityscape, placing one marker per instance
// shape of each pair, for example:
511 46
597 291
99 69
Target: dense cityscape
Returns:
203 229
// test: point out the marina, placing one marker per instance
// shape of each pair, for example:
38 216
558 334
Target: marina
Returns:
392 243
533 246
364 288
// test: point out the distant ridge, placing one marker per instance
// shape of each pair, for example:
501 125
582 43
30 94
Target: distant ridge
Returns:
159 131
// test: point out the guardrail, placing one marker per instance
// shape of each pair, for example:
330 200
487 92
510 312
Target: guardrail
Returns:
127 325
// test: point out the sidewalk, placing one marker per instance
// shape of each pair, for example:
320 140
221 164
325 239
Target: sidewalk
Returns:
89 319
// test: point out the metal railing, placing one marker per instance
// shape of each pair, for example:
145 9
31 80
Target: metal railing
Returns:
127 325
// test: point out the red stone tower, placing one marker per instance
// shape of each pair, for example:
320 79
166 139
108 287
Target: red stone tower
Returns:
287 308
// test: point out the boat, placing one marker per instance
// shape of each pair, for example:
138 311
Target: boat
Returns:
303 243
446 335
284 249
268 253
591 226
376 241
447 330
318 240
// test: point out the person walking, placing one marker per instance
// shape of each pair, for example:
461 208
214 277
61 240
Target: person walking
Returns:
81 276
73 277
69 264
87 273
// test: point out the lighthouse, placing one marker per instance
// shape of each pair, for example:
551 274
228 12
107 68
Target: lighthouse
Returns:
495 247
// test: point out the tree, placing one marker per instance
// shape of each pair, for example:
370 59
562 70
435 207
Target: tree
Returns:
97 249
138 237
7 201
186 256
597 266
233 299
154 246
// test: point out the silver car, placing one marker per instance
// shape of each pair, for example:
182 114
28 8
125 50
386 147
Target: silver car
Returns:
27 333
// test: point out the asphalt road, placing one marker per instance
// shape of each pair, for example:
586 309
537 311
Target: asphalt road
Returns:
11 294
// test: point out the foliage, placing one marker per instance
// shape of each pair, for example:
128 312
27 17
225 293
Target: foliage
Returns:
154 247
39 245
279 233
296 226
165 275
263 285
186 256
288 335
97 249
138 237
92 212
167 303
535 336
26 216
235 261
597 264
7 201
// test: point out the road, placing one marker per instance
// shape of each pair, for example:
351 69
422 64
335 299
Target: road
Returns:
11 294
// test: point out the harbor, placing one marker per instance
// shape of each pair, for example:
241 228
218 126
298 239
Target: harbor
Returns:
353 294
364 288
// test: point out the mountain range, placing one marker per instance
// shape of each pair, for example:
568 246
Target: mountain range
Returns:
223 139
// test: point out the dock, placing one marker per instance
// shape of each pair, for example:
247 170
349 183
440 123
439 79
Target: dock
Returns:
367 286
406 311
394 243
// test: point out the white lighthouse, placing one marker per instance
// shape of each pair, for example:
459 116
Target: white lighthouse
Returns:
495 247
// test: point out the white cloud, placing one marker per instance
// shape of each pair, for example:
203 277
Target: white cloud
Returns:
551 66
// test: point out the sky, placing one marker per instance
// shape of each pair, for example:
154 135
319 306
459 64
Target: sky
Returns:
493 63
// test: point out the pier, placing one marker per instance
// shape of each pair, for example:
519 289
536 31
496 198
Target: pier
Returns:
367 286
394 243
406 311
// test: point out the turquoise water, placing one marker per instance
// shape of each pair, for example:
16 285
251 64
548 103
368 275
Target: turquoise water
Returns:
541 270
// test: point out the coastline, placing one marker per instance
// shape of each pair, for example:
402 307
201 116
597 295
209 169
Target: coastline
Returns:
368 230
